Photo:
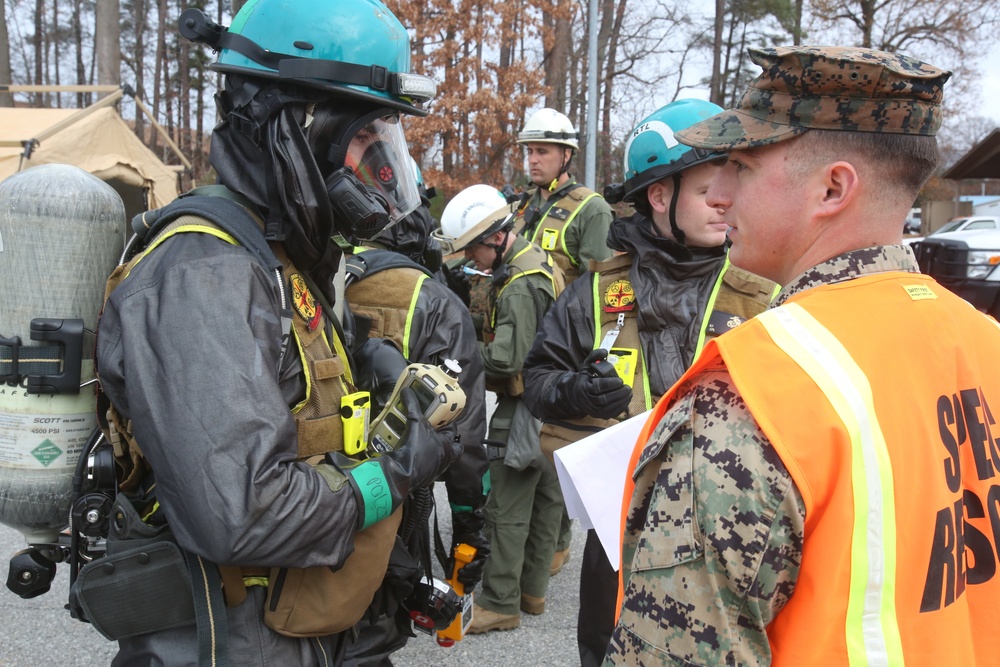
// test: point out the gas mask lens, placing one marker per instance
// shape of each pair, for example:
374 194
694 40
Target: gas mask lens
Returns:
379 156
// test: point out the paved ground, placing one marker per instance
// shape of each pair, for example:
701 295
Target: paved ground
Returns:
41 632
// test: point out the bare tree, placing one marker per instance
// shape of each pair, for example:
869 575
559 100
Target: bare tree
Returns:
486 81
906 25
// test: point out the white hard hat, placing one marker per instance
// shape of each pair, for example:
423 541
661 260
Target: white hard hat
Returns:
548 126
471 216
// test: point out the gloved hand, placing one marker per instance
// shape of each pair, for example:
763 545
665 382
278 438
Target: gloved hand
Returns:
458 282
378 365
468 528
382 484
584 393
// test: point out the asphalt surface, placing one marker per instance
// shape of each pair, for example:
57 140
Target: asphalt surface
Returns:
41 632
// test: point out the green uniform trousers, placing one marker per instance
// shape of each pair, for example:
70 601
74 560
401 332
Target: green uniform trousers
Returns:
523 515
522 522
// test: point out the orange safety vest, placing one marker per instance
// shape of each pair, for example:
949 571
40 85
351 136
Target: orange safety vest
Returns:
896 453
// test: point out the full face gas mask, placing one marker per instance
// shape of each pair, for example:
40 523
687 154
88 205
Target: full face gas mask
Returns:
370 185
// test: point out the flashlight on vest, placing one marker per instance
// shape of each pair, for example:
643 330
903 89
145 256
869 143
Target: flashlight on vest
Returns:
464 554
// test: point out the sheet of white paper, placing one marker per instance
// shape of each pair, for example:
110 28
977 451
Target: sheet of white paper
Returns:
592 474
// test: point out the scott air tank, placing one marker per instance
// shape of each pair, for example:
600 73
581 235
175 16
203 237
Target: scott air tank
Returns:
62 231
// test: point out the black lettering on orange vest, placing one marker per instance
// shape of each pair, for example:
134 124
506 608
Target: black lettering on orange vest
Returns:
952 464
979 549
942 570
983 451
990 425
993 506
960 550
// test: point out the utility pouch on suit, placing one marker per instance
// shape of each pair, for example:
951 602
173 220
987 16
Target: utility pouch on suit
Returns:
523 450
141 586
316 601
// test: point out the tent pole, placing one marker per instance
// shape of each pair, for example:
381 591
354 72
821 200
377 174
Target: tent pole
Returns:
162 132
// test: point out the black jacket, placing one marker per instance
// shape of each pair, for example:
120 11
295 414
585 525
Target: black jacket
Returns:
672 284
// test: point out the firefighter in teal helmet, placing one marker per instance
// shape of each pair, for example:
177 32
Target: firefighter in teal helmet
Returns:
225 354
621 334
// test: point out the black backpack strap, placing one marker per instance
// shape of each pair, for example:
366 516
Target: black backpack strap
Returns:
231 216
368 263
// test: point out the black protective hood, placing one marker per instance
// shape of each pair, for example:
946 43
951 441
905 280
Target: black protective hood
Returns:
636 236
263 150
411 236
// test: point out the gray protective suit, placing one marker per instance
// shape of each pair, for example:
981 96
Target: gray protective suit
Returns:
188 348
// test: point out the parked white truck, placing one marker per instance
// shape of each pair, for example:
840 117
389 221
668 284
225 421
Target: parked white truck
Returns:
967 263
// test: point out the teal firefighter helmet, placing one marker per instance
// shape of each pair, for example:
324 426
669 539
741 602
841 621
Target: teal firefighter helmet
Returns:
652 152
353 48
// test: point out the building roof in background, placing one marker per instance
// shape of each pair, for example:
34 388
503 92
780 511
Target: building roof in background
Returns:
982 160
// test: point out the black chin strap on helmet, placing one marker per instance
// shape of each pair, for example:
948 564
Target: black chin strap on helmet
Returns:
674 229
498 251
562 170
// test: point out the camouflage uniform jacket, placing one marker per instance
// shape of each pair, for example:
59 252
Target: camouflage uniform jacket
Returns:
714 532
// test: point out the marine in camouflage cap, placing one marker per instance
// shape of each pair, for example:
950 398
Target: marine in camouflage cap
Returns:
826 88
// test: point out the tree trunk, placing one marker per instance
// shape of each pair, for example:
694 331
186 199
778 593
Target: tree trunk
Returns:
716 92
56 40
605 171
6 74
556 26
36 43
139 12
238 5
797 31
82 99
184 98
868 22
107 35
161 53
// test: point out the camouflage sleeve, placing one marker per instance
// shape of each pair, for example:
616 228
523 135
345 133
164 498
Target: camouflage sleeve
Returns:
587 234
713 537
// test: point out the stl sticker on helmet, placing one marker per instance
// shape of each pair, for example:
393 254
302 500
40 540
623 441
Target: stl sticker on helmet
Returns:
619 297
304 302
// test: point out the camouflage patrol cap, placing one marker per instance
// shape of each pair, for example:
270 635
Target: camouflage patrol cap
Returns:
826 88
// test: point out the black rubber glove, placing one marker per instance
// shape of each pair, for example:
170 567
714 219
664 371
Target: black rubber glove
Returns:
458 282
594 391
382 484
378 365
469 528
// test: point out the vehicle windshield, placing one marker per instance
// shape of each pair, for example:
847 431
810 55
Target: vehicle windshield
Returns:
950 226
